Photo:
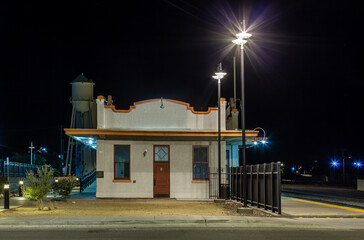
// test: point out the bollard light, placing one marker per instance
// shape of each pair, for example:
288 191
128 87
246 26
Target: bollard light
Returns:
21 182
56 180
6 196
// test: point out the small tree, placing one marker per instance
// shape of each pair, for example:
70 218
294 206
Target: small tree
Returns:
37 187
64 187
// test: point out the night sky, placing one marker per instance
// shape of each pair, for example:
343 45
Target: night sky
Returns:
304 74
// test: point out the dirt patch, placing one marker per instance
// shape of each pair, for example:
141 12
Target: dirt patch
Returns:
130 207
232 206
120 208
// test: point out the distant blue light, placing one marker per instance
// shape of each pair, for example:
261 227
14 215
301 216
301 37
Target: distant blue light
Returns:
293 168
334 163
358 164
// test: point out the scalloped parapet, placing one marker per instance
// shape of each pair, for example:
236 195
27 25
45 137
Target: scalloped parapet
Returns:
158 114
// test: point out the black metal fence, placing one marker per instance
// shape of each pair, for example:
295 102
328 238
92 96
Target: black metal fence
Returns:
15 169
263 185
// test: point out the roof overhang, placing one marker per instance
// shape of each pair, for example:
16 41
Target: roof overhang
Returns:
109 134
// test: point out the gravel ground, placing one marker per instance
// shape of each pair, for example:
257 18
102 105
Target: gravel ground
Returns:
132 207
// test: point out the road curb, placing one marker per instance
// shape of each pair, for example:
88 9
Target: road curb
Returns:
127 221
321 216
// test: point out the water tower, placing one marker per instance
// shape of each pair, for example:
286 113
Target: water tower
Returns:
81 158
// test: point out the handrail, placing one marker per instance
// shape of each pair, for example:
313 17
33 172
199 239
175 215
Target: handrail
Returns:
87 180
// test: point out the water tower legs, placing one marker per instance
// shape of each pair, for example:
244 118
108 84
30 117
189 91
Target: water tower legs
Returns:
70 146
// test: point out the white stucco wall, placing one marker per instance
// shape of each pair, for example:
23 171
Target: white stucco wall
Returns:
141 169
150 116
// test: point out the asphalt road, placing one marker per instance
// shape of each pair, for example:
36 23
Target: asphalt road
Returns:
190 234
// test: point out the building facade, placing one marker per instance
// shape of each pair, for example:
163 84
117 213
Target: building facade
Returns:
158 148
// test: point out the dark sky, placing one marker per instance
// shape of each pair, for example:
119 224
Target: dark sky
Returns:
304 75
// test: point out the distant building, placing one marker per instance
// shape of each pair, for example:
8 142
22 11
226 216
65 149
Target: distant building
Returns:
161 147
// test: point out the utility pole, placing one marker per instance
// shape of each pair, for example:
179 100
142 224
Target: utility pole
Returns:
343 158
31 152
61 147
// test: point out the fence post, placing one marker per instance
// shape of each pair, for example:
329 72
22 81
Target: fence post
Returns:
251 185
264 190
236 183
279 187
257 188
241 183
272 185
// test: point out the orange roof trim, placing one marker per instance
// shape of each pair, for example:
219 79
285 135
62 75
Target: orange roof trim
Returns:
164 100
121 132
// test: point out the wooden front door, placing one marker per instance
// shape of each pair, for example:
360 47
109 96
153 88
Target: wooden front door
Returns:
161 171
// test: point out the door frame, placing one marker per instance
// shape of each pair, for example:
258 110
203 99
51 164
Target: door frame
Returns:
169 170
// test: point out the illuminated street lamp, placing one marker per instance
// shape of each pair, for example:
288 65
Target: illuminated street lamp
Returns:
242 38
218 76
357 165
264 141
334 164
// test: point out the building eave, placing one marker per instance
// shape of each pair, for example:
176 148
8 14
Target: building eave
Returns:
145 134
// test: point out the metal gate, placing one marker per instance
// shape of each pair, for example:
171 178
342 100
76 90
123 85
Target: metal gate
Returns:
214 185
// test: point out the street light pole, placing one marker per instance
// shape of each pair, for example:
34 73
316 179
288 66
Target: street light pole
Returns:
241 40
219 75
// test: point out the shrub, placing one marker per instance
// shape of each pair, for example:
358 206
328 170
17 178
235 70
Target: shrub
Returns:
64 187
37 187
56 173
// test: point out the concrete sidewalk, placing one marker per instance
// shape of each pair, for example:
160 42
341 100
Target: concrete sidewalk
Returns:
16 202
295 207
339 195
177 222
